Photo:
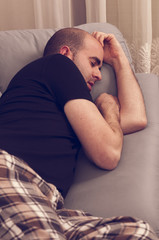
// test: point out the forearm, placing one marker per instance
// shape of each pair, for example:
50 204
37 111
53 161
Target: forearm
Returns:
112 142
132 108
109 109
117 133
113 120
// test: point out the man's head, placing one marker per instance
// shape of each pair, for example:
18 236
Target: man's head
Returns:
70 37
82 48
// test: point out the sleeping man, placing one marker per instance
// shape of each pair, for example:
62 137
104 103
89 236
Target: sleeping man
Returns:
46 115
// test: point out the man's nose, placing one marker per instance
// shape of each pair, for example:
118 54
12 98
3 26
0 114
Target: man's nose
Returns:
97 74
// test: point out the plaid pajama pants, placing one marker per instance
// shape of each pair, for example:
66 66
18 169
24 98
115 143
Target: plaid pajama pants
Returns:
31 208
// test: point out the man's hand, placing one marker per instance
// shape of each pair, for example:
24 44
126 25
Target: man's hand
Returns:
112 48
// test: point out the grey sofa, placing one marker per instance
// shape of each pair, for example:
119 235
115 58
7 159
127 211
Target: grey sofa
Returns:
132 189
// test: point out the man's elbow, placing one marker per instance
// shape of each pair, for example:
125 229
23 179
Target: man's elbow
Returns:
134 125
108 160
143 123
139 124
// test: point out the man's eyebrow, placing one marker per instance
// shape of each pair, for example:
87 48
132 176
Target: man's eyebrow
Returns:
97 60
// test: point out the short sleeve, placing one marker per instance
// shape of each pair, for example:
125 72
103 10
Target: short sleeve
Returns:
65 80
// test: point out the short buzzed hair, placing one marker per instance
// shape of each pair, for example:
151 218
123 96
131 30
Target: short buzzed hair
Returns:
72 37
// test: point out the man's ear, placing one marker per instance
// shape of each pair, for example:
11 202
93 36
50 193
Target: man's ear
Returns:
65 50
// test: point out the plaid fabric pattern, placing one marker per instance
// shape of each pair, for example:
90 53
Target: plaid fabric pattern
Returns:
31 208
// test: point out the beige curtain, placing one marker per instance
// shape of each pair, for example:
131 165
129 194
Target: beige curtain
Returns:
138 20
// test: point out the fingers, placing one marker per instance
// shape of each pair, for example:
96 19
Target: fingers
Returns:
102 37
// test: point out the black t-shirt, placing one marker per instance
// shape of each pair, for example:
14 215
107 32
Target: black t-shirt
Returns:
33 125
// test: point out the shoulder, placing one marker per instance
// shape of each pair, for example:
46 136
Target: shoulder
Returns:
57 59
62 63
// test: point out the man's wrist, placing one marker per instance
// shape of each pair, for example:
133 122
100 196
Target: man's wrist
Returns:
120 63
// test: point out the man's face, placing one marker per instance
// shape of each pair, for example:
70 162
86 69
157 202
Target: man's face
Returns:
89 60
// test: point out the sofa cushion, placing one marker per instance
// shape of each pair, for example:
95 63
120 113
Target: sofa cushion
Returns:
18 48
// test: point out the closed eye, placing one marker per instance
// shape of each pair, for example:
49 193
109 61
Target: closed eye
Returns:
94 61
93 64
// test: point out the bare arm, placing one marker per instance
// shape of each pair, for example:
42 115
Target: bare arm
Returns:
100 136
132 108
